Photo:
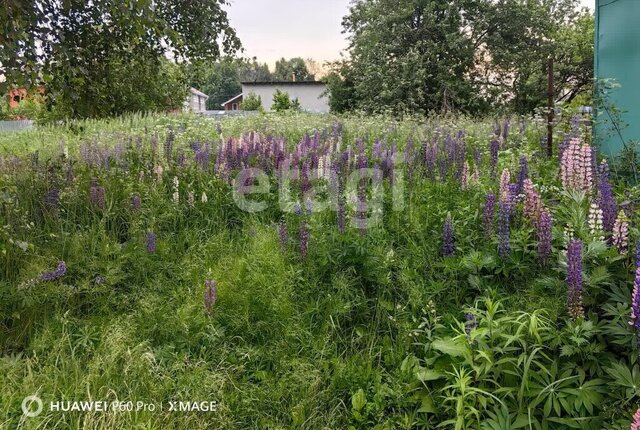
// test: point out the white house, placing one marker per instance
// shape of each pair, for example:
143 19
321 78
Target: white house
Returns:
311 95
196 101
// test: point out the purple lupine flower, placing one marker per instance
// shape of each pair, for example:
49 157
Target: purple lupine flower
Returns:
522 174
99 280
544 236
488 214
606 200
168 144
637 254
477 157
283 234
97 194
494 149
52 198
304 239
297 209
470 324
448 245
635 304
151 242
342 214
135 201
59 272
574 279
504 219
210 295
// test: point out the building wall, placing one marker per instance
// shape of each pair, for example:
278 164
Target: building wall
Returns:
198 103
617 57
310 96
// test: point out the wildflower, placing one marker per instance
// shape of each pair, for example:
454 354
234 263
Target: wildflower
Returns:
635 302
204 198
595 221
191 199
470 324
97 194
99 280
635 425
52 198
283 234
620 238
522 174
304 239
135 201
494 149
544 236
210 295
532 202
505 179
151 243
59 272
448 246
488 214
504 219
574 279
576 171
465 180
176 189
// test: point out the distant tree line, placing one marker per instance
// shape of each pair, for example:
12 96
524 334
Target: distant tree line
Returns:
471 56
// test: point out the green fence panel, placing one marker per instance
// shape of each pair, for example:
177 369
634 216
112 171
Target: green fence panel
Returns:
617 58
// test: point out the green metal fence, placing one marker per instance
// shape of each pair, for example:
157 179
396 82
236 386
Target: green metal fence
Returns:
617 60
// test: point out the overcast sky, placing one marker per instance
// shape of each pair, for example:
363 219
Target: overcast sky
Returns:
273 29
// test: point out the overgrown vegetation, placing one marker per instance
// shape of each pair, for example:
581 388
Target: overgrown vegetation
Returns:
482 285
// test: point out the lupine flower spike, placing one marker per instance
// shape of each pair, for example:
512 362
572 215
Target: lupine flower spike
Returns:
448 246
635 424
620 238
574 280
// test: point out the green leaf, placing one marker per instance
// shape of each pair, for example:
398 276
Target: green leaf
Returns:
449 347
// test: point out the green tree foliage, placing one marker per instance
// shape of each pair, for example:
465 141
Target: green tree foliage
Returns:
106 57
463 55
253 71
282 102
292 69
251 102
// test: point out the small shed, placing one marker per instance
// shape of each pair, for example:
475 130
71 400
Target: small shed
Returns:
617 61
233 103
196 101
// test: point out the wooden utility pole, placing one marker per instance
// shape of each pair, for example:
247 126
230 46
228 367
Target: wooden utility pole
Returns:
550 105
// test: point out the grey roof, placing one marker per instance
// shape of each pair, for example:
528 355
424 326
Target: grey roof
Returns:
283 83
231 99
197 92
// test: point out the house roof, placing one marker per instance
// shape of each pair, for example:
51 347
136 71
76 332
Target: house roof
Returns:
231 99
198 93
284 83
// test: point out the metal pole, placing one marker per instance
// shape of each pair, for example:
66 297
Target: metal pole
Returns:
550 105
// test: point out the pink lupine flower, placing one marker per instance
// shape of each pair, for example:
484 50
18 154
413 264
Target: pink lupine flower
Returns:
576 169
620 238
635 424
505 179
532 202
465 180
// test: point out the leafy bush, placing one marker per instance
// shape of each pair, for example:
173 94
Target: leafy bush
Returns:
251 102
